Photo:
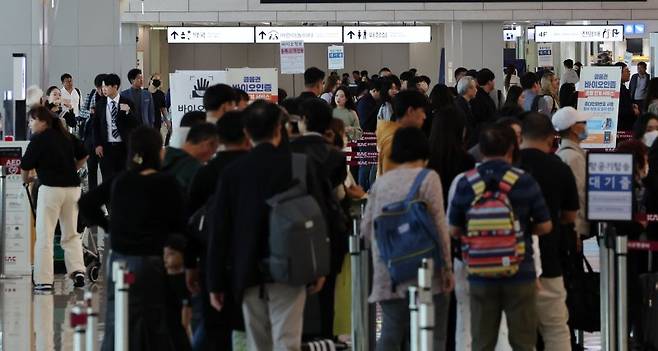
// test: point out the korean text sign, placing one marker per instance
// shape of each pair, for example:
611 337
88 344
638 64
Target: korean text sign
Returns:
598 97
609 186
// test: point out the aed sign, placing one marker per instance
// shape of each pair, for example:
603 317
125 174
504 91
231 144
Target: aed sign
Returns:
387 34
305 34
579 33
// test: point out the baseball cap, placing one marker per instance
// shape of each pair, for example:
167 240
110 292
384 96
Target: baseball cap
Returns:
565 117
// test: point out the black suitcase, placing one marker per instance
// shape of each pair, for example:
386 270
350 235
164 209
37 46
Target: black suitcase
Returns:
649 314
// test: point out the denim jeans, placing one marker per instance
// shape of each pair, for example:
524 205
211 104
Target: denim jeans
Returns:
395 324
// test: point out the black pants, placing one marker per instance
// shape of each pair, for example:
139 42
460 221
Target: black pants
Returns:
113 160
92 168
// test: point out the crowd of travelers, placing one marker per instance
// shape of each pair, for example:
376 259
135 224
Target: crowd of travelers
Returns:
212 215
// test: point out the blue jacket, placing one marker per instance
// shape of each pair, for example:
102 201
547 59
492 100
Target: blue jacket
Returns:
146 105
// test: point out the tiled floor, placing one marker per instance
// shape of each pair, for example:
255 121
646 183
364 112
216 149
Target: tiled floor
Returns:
41 321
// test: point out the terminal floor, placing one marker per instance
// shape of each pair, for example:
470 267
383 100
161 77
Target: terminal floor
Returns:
41 322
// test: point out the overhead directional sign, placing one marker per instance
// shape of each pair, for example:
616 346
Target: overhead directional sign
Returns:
579 33
388 34
210 35
306 34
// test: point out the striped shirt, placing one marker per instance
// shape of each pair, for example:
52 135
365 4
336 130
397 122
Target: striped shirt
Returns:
528 204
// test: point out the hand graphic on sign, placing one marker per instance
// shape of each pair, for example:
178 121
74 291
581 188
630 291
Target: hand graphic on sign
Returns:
200 88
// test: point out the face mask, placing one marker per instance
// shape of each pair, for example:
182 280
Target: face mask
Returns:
156 83
302 127
649 138
582 136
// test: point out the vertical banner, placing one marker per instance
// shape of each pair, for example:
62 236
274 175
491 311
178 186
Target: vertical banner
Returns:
18 229
336 57
188 89
545 54
259 83
598 97
292 56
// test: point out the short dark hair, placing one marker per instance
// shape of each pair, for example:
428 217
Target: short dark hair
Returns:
536 126
133 73
357 72
176 242
112 79
317 114
282 95
364 73
496 140
144 149
201 132
240 95
406 75
406 99
50 90
485 76
313 75
409 144
384 69
528 80
425 79
98 81
217 95
568 63
620 64
262 120
638 149
230 127
459 71
193 118
65 76
642 63
376 84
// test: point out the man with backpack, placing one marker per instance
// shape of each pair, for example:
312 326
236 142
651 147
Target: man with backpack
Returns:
245 229
332 171
495 211
558 186
534 101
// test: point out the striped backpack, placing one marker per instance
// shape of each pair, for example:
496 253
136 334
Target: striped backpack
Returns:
494 245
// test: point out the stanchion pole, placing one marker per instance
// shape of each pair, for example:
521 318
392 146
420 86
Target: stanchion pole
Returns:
92 323
358 306
414 331
605 288
426 305
78 323
3 218
622 294
122 280
612 286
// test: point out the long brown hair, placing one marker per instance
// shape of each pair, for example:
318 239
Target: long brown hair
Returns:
42 113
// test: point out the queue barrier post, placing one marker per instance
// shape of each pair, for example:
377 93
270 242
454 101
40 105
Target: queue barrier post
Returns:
3 217
360 278
414 329
78 323
122 278
621 250
92 323
426 305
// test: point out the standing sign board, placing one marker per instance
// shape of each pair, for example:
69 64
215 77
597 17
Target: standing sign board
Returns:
188 89
598 97
336 57
545 55
18 229
259 83
292 56
609 186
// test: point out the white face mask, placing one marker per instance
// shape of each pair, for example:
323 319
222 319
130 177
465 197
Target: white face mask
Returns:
302 127
649 138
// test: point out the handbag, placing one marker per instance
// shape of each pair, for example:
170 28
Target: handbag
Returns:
583 299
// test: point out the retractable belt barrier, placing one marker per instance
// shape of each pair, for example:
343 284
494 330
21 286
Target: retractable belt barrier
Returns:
643 245
359 256
79 325
421 309
92 323
122 278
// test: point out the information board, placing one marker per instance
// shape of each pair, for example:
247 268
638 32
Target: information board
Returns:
18 227
336 57
609 186
188 89
292 56
598 97
259 83
545 55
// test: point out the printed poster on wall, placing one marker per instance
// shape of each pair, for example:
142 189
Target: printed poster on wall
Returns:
17 231
545 54
336 57
598 97
259 83
188 89
292 56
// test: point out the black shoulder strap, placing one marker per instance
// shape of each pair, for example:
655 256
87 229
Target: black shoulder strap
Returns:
299 169
535 103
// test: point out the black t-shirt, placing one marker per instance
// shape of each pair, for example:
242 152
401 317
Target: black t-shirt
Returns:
159 101
54 156
558 186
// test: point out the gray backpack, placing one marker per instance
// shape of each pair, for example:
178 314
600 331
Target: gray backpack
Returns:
298 243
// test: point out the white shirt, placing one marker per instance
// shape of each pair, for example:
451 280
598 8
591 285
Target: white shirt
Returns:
74 97
569 76
108 118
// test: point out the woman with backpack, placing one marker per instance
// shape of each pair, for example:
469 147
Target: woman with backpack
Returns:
410 178
550 84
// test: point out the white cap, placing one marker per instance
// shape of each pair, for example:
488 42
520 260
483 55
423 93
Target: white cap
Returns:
566 117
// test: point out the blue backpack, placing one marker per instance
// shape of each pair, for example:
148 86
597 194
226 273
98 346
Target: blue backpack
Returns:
406 234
